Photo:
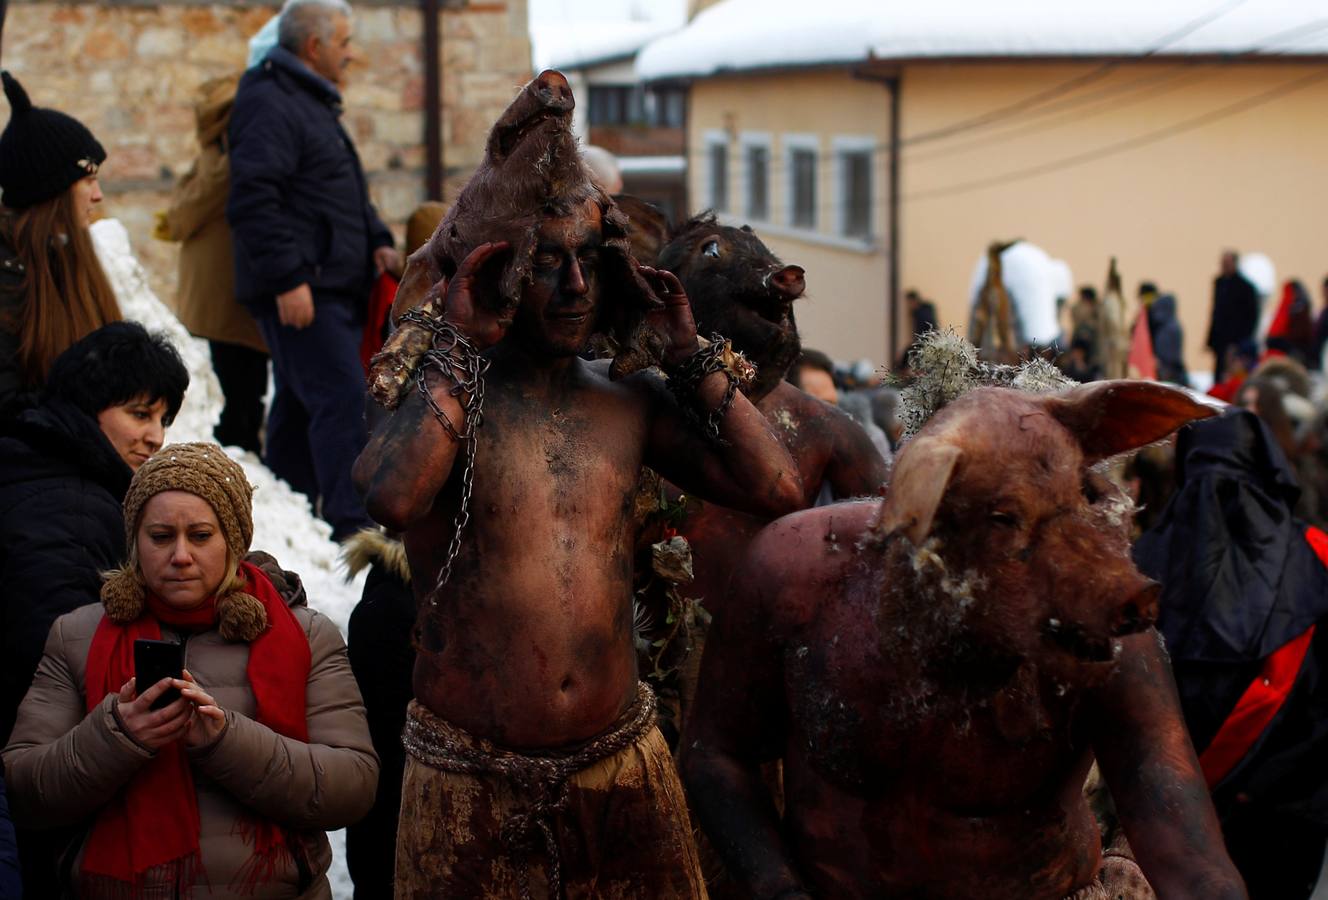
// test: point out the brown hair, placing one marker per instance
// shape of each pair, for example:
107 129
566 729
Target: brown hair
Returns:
66 293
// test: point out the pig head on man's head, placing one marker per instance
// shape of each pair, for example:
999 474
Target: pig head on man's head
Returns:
995 508
531 171
740 289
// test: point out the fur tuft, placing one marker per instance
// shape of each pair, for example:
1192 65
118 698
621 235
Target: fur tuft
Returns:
945 366
369 546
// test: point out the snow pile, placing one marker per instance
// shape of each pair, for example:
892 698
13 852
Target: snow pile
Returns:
735 35
284 524
572 46
1034 281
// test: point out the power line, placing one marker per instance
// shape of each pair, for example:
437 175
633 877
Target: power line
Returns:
1160 84
1128 144
1019 106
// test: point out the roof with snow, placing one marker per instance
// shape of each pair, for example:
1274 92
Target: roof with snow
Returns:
741 35
580 44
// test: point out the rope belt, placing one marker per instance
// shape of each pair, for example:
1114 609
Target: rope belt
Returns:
541 778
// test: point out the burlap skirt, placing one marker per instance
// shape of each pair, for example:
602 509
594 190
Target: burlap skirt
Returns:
1120 878
480 821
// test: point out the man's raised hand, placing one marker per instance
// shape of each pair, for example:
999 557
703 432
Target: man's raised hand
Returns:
672 318
477 321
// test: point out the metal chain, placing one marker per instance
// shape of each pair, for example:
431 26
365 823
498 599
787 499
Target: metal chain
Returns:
687 377
467 376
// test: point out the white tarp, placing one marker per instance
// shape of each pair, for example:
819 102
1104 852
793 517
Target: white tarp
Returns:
1034 280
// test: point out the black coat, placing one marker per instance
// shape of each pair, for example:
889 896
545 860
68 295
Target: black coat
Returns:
61 488
1240 581
1235 312
299 207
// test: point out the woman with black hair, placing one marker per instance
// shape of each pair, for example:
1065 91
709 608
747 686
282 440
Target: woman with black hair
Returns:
65 465
64 468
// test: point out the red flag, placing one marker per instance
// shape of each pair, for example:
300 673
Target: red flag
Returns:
1142 364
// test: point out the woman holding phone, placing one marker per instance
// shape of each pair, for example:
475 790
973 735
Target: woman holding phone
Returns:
225 791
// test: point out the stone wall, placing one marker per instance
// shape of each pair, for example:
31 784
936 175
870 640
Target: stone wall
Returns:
129 70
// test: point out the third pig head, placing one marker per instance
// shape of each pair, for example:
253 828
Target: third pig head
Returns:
1006 542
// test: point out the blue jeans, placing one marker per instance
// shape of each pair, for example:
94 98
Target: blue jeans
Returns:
316 429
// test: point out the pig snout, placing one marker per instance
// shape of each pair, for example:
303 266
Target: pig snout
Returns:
789 282
1137 613
554 90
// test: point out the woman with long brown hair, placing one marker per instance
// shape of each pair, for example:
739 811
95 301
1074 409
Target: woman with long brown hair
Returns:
52 288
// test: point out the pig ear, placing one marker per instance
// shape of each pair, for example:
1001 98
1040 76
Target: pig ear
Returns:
1110 417
916 487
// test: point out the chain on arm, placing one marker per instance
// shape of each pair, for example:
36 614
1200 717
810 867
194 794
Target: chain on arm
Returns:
686 378
460 362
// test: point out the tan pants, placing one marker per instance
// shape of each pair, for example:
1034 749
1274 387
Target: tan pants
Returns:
623 832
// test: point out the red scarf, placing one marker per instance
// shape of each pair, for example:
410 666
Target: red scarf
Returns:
153 821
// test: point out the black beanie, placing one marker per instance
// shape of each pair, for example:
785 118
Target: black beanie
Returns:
42 151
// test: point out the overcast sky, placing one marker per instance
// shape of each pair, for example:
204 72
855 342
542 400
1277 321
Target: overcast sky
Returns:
544 12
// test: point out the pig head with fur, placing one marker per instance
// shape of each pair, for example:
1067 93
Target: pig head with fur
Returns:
532 170
1006 547
740 289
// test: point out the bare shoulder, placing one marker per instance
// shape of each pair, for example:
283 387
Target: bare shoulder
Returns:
794 561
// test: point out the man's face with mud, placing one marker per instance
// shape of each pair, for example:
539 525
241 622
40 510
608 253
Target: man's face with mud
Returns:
560 296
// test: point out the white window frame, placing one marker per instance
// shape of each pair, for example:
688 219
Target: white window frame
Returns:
790 143
853 143
710 139
746 141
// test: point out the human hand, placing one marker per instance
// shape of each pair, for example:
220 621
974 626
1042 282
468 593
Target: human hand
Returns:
482 325
209 719
672 318
387 259
296 307
153 729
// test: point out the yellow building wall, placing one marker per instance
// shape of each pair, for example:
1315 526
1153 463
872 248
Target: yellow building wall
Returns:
1243 164
846 306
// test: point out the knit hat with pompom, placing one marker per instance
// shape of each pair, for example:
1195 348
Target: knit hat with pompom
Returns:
205 471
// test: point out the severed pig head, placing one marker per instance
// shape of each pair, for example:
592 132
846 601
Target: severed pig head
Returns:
532 169
1005 546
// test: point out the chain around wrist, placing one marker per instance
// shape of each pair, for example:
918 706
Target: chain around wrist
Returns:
685 379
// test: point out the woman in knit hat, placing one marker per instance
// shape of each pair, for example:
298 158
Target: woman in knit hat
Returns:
227 790
52 289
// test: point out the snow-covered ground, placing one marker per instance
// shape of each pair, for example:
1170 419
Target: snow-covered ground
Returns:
284 523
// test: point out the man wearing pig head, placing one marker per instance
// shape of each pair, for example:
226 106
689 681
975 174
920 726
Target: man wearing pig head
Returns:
510 465
939 669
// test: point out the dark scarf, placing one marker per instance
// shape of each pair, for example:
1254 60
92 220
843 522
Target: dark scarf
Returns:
153 823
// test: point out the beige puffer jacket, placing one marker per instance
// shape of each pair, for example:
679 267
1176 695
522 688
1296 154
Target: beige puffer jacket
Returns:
62 765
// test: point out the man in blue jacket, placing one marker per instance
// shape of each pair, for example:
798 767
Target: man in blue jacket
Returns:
307 247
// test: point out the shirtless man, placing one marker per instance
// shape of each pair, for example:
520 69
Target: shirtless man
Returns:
739 289
535 768
938 669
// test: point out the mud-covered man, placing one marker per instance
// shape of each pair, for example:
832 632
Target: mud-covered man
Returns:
740 289
535 767
938 670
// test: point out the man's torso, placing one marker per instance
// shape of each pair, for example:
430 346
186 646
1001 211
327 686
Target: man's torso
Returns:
529 644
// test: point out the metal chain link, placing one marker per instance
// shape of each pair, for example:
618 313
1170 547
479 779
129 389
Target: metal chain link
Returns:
687 377
467 377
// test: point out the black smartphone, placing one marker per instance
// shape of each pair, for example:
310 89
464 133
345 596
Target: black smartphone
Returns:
155 660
